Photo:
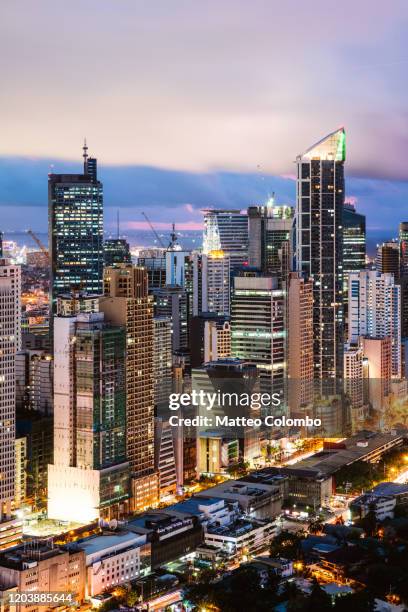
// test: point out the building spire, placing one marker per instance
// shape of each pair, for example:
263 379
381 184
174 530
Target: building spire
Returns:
85 156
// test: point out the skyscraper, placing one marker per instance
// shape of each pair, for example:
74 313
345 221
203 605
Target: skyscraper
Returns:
354 241
127 303
374 311
163 360
75 218
10 341
269 234
211 283
116 250
89 477
319 246
258 328
227 231
172 301
388 259
403 257
300 343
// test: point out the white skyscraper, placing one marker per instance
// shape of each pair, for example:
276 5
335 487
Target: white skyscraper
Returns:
10 340
374 311
226 230
212 284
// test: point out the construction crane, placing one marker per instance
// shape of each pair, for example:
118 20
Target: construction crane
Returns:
160 241
38 242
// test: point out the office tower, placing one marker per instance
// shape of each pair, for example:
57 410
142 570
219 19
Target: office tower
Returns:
165 458
20 484
34 381
354 244
116 251
270 235
403 247
154 262
319 246
403 255
38 431
210 338
177 263
75 217
227 231
70 304
378 356
300 343
374 311
222 446
10 342
356 384
211 283
127 303
172 301
258 328
163 361
1 244
89 477
388 259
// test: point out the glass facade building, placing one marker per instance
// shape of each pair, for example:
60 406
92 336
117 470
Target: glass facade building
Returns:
75 217
226 230
116 251
319 246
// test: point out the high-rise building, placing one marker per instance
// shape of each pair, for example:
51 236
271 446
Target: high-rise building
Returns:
378 361
227 231
1 244
165 457
70 304
10 343
127 303
177 263
75 217
270 235
210 338
300 342
116 251
354 240
355 384
154 262
89 477
388 259
403 255
258 333
34 381
163 360
374 311
319 246
211 283
172 301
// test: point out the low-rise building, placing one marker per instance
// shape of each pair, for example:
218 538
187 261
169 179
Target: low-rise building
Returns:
171 534
42 566
209 511
114 558
382 500
243 536
256 500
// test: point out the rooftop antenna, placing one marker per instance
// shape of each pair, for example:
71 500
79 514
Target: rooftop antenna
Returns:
173 237
85 156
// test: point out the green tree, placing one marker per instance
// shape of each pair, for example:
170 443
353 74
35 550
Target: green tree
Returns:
287 545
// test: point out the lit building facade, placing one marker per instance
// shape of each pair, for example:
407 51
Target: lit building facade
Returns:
270 236
10 343
319 246
89 477
227 231
127 303
258 333
215 283
116 251
163 363
374 311
75 217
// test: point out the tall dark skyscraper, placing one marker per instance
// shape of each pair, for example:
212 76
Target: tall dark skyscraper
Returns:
319 246
354 240
1 244
116 251
75 217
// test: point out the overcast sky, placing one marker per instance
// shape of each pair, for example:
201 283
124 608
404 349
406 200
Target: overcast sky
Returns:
208 89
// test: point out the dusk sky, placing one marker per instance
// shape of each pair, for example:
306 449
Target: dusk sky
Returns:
192 104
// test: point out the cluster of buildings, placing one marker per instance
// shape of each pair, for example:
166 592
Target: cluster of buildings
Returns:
279 299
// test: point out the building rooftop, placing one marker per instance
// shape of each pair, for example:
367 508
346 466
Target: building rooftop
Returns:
101 543
389 488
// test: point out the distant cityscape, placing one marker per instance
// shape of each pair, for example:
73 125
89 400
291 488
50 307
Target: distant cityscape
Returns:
208 420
